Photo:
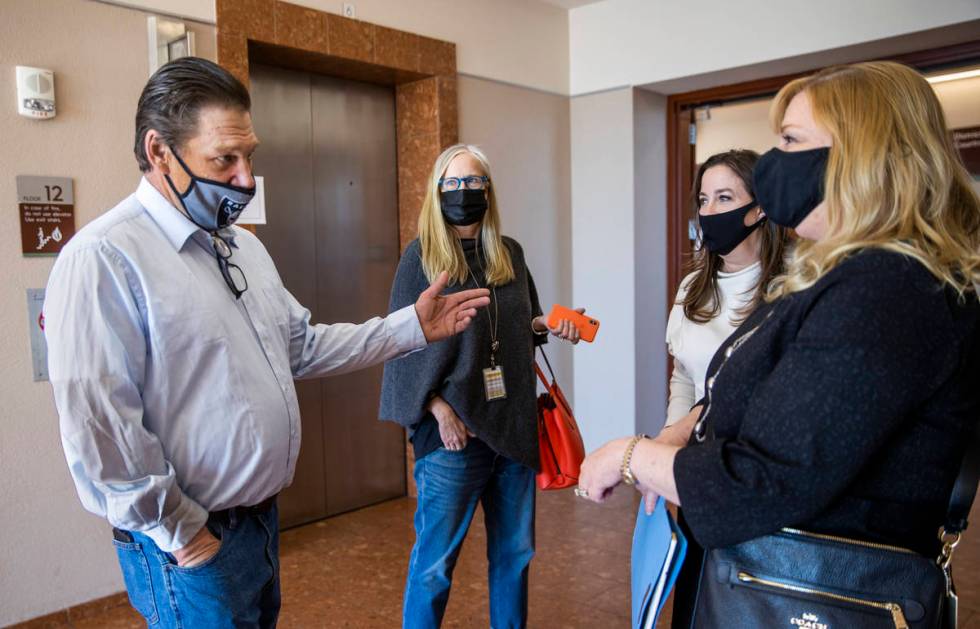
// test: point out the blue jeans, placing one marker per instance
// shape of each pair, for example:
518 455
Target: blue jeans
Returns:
450 484
238 587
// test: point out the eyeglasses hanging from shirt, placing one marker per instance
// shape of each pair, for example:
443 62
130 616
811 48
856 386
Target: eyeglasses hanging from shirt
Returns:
212 205
232 273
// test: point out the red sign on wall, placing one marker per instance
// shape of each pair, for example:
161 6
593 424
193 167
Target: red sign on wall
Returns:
47 213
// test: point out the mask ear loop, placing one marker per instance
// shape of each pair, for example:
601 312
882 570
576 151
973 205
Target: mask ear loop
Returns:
181 162
190 187
189 174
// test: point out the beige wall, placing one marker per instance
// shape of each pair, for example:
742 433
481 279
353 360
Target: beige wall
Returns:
524 42
525 134
53 553
746 125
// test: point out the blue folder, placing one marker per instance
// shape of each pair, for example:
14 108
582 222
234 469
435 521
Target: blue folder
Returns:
658 552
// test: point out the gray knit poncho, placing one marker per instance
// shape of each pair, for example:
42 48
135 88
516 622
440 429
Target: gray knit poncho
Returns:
453 368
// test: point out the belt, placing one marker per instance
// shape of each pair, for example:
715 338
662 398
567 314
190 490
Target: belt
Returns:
234 514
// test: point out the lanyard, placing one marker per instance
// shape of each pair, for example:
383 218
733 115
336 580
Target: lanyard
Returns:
495 319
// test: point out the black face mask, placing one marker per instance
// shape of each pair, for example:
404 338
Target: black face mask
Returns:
789 185
464 207
723 232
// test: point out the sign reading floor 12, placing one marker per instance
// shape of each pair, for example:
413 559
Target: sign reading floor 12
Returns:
47 213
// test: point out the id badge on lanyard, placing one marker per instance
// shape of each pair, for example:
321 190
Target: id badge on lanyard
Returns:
493 383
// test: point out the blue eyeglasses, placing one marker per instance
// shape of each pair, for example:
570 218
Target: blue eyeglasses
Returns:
472 182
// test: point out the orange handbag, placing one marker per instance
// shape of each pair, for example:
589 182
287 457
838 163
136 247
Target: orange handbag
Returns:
559 439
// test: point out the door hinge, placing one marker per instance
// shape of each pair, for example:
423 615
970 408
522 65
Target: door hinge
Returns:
692 134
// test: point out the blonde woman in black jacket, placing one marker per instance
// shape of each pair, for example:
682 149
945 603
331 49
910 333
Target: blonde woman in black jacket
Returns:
843 406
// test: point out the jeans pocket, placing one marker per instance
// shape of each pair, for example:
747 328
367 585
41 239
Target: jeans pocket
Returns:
136 575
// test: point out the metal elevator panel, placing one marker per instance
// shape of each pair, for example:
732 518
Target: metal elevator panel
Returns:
356 172
328 156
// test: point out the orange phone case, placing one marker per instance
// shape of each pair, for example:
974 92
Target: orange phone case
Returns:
587 326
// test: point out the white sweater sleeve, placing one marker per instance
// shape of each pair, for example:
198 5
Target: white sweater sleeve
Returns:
681 394
681 383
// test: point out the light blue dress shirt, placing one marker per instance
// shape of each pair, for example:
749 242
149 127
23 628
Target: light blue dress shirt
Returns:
176 399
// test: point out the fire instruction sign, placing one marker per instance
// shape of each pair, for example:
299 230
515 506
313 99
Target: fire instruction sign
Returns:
47 213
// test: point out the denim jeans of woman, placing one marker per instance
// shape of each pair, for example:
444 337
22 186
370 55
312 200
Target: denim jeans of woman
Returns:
450 485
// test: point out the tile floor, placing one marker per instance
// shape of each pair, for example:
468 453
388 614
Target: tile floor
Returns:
349 571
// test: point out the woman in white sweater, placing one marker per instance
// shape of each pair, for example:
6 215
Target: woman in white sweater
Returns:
728 274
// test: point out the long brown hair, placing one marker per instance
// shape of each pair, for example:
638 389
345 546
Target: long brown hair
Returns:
894 180
702 301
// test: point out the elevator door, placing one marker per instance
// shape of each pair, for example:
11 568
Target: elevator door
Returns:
328 157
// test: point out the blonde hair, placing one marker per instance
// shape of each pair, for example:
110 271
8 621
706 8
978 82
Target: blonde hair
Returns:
440 244
894 180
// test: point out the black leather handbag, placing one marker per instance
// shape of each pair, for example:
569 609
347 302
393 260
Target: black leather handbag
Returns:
796 579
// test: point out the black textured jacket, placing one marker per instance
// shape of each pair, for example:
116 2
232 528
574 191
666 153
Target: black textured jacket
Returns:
453 368
846 412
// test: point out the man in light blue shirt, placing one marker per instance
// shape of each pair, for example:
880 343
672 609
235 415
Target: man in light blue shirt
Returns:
173 346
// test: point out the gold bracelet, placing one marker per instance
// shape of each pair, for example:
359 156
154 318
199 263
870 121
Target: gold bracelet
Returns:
625 470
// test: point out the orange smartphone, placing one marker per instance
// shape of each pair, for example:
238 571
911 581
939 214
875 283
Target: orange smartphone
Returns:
587 326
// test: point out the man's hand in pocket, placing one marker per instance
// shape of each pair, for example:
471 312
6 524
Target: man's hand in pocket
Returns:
201 548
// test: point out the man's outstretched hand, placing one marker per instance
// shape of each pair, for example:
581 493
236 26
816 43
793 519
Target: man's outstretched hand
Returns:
441 316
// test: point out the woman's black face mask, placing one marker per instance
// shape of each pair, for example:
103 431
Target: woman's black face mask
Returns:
464 207
721 233
789 185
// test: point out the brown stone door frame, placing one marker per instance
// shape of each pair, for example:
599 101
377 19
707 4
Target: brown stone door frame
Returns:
422 71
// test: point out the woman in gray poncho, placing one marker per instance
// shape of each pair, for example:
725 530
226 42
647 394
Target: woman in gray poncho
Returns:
469 402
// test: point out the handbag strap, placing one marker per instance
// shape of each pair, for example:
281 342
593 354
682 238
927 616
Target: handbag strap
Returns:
552 387
965 488
547 364
541 376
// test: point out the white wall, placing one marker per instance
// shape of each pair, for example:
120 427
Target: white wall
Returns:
638 42
603 262
738 125
525 134
650 255
619 244
961 102
522 42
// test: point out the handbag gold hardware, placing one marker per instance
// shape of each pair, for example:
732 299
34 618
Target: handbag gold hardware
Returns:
896 610
848 540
